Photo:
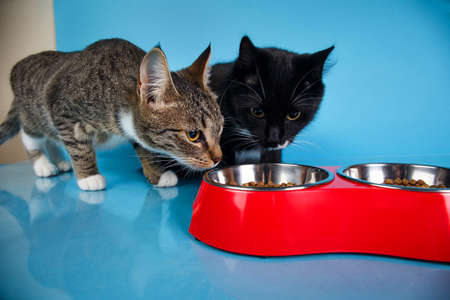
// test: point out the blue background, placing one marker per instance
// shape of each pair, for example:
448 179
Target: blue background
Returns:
386 100
386 96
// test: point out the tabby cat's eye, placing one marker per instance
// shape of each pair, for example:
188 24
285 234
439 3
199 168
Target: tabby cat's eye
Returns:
257 112
292 116
193 135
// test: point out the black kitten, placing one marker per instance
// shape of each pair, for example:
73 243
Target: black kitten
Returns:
267 96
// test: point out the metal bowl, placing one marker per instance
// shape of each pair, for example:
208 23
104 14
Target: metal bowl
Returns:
300 175
376 173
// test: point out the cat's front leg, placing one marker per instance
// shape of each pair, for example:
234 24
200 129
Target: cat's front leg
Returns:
153 171
57 156
82 153
271 156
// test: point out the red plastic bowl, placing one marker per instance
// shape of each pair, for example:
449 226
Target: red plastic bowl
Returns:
341 216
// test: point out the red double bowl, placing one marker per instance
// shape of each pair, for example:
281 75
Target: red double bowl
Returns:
352 212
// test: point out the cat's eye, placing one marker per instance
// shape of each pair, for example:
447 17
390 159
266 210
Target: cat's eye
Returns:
292 116
257 112
193 135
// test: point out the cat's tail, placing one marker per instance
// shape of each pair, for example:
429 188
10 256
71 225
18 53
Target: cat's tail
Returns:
11 126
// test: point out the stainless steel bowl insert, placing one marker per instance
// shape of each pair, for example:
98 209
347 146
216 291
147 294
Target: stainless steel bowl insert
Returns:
375 174
302 176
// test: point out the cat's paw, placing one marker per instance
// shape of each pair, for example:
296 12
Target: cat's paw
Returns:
168 193
43 167
64 166
92 183
167 179
44 184
92 198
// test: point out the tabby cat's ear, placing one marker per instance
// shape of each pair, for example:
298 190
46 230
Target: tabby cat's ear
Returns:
198 72
155 82
247 52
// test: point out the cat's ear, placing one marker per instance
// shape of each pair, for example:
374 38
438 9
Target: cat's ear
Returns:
198 72
247 52
320 57
155 84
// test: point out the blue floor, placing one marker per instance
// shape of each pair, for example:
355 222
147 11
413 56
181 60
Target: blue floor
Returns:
132 242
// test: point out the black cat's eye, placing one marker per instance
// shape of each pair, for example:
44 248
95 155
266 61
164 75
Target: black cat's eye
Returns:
193 135
292 116
257 112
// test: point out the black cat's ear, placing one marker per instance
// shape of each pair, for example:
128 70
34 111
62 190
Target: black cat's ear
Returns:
155 82
198 72
247 52
317 61
320 57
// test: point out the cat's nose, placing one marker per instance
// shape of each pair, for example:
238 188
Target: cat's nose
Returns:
217 159
216 154
273 135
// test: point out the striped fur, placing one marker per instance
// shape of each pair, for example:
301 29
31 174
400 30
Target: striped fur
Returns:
79 99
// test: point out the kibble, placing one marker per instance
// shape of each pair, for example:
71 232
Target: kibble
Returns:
412 183
261 184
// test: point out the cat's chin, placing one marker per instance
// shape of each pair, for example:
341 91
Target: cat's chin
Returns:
199 168
279 147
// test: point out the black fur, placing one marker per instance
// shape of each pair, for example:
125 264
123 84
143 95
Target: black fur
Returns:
277 81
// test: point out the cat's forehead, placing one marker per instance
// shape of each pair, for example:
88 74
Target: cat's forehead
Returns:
188 90
195 107
290 63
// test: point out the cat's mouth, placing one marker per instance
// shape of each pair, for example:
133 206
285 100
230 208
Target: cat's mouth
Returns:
277 146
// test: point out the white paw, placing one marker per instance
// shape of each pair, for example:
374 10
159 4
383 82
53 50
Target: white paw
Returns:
44 184
167 179
167 194
43 167
92 198
92 183
64 166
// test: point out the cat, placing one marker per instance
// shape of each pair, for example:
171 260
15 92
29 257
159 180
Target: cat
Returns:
112 91
267 96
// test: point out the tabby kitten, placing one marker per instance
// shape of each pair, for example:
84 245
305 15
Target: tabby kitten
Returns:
267 97
108 93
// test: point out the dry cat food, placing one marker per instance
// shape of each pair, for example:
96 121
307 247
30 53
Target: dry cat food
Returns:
269 184
412 183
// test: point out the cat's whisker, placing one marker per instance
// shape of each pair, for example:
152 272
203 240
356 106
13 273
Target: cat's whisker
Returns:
250 88
251 97
152 158
309 86
243 132
170 164
308 95
237 139
303 143
251 145
260 82
237 133
245 144
224 92
300 100
301 80
227 118
244 135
